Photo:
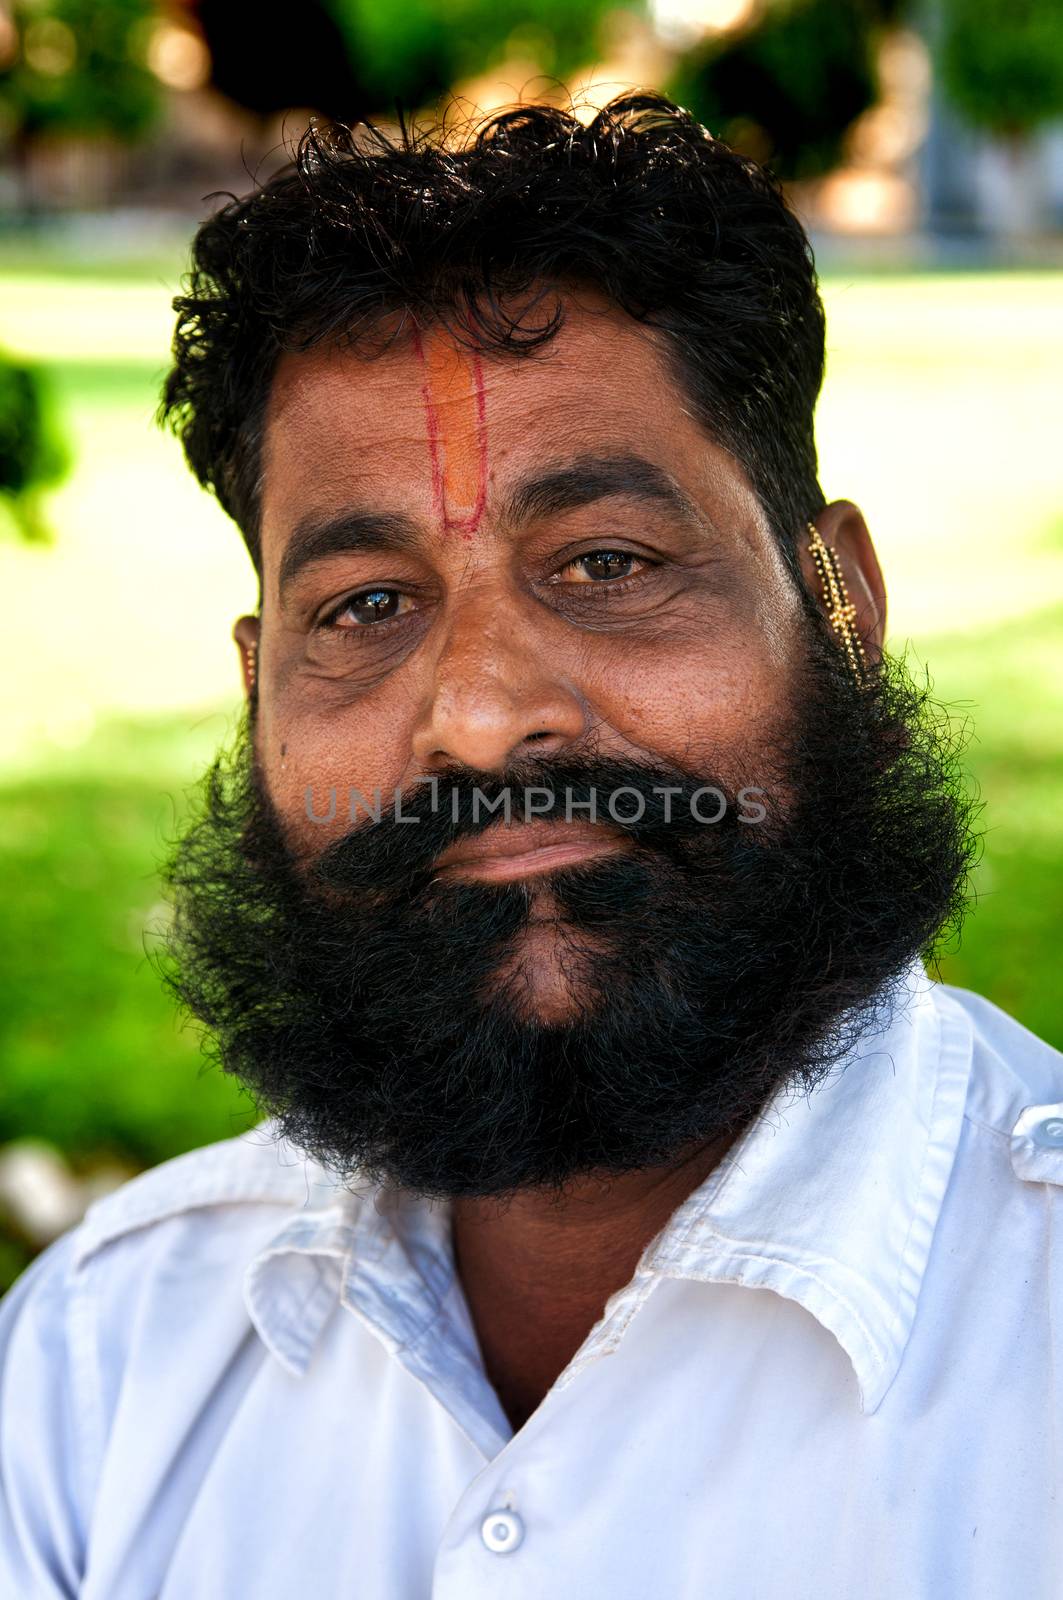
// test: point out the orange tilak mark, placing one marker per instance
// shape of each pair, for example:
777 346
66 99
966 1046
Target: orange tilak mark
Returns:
453 393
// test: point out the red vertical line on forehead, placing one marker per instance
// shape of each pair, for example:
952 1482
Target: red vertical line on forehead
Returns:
432 423
469 524
455 411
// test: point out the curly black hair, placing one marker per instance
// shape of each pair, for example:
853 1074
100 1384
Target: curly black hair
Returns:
677 229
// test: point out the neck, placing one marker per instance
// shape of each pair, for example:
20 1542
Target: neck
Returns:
538 1268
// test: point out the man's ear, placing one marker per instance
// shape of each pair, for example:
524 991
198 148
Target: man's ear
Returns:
843 529
246 632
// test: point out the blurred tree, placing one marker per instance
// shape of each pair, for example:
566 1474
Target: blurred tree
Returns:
80 67
268 60
32 453
1001 62
787 88
355 58
446 40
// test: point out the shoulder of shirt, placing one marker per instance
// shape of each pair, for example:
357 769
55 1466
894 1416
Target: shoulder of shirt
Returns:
1013 1071
257 1167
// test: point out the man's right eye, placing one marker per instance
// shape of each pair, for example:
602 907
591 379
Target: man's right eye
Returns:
367 606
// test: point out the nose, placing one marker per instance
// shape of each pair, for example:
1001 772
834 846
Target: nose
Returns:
497 694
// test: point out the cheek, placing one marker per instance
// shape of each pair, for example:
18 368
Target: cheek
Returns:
698 698
319 765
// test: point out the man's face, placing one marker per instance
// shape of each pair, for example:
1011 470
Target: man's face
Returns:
505 573
469 560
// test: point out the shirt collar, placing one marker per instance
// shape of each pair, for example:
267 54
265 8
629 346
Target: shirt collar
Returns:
383 1253
829 1198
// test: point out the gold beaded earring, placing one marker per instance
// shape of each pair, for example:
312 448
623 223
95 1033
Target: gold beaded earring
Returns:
841 613
252 661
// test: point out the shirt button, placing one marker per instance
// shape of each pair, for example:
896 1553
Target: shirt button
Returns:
1049 1132
501 1531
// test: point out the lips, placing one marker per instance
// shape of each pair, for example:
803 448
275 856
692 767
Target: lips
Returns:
521 850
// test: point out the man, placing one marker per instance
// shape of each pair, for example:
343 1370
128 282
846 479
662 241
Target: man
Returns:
633 1216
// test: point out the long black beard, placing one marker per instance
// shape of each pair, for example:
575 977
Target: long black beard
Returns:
382 1016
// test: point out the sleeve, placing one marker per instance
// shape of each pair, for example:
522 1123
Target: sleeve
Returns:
42 1437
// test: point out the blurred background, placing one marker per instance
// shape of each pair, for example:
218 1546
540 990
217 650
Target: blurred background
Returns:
921 143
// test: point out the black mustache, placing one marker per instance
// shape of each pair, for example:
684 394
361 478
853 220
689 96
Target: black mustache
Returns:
658 808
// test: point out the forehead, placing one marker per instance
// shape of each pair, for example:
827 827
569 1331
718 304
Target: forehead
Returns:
350 426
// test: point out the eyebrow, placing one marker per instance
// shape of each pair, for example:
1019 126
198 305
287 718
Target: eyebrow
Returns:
589 478
351 531
578 482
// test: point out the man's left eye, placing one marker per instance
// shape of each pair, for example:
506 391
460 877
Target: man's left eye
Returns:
599 564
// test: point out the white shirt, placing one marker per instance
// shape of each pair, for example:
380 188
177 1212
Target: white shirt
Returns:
835 1372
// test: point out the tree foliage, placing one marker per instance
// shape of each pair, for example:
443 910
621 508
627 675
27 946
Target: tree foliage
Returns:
32 454
787 89
353 58
1001 62
80 67
399 48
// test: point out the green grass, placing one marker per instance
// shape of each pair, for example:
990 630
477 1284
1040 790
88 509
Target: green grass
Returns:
96 1060
94 1057
1008 684
939 416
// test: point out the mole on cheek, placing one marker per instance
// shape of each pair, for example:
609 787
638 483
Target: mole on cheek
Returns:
453 396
